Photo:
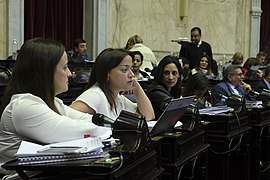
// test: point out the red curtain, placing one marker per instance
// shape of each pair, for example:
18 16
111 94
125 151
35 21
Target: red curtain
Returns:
61 20
265 26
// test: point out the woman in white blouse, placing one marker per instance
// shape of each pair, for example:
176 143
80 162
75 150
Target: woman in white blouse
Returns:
30 110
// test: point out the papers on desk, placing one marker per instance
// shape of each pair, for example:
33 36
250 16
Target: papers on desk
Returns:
215 110
151 124
31 153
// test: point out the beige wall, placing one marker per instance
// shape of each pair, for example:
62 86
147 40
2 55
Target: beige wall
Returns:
225 24
3 31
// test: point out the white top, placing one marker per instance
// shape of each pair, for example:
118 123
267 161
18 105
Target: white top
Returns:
148 56
95 98
27 117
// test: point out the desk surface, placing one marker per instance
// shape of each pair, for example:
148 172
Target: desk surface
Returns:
143 166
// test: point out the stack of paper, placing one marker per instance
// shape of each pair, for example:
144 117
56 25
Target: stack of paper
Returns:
31 153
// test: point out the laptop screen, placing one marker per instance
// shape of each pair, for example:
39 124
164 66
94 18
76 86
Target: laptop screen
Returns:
173 112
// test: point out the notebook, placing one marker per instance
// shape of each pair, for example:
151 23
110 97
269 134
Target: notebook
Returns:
173 112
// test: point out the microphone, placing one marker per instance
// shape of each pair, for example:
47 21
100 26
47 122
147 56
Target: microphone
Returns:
101 120
254 93
147 69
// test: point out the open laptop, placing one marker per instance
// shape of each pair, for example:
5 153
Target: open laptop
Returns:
173 112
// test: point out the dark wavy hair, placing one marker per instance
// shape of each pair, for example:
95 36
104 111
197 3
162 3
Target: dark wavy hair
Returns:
176 90
34 71
105 61
209 67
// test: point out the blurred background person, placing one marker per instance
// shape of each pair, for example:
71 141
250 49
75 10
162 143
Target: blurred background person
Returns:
135 43
137 62
166 85
79 52
237 59
265 82
261 58
198 85
203 65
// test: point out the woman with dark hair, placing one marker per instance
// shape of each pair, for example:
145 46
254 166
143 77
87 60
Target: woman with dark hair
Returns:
166 85
197 84
137 62
203 65
30 110
110 77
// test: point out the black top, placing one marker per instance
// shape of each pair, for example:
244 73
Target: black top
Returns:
159 97
192 52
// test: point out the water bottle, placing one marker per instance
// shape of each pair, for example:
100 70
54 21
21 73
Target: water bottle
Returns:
220 70
14 49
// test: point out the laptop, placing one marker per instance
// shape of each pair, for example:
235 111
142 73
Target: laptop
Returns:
173 112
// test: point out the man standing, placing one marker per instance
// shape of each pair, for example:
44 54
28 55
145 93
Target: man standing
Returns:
193 50
232 83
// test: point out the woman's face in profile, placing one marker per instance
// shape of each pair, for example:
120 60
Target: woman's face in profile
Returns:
170 75
204 63
61 75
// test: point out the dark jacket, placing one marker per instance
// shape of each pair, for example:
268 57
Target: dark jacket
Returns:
159 97
225 89
260 85
192 53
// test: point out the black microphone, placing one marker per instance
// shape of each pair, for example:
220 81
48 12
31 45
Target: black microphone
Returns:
147 69
101 120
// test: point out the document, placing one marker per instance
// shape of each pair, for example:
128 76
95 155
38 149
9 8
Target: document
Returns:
86 148
32 149
215 110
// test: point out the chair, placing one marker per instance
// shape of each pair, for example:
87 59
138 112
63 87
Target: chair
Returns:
5 75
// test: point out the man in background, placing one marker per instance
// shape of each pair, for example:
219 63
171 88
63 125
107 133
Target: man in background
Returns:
265 83
79 52
194 49
232 83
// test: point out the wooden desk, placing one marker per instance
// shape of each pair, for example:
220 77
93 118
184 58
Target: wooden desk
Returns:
143 167
183 155
229 151
259 121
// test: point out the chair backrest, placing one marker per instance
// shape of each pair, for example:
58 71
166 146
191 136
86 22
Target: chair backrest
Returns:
5 75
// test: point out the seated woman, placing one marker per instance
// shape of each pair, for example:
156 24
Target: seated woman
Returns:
166 85
30 111
110 77
137 62
237 59
197 84
203 65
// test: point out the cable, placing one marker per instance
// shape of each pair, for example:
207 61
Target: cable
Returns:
105 174
237 144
